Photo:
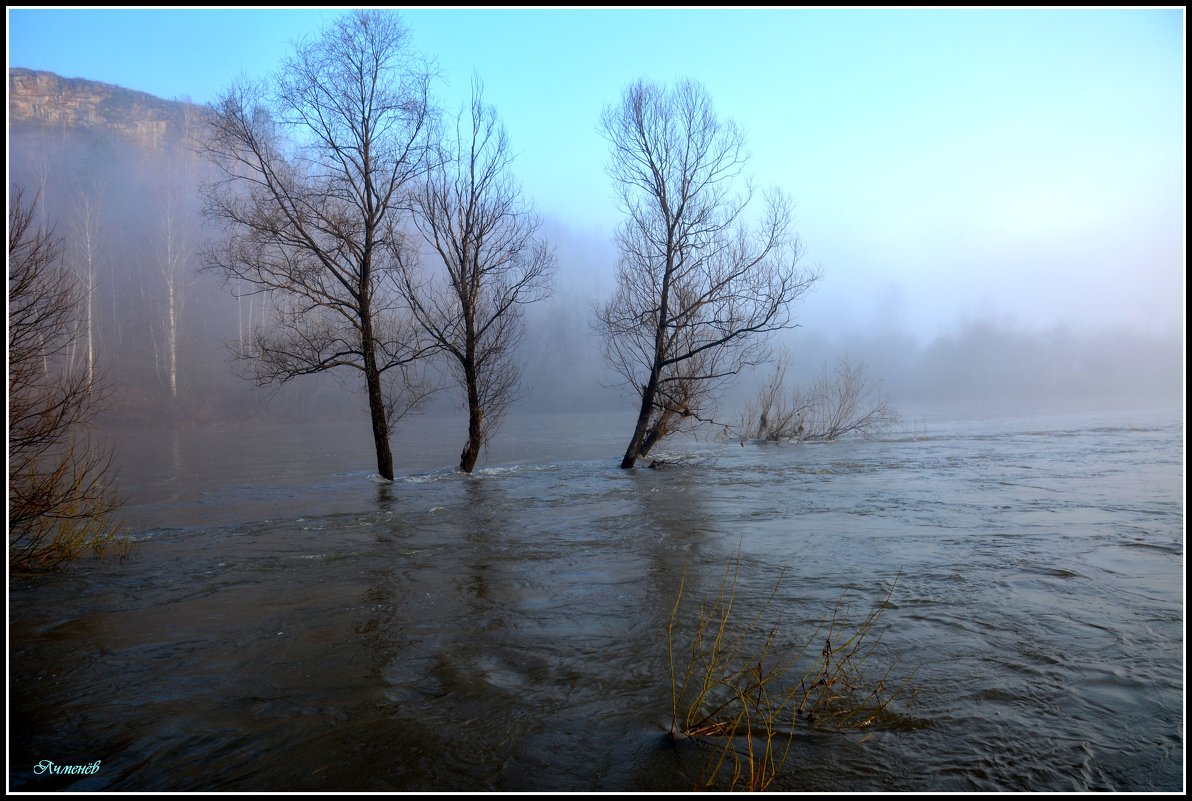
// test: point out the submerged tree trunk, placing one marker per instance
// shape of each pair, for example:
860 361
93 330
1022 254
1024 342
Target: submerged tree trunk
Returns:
380 426
638 442
471 451
376 402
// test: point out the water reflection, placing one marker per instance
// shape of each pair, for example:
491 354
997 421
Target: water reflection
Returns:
386 498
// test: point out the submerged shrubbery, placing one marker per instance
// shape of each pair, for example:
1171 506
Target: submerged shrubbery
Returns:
741 692
834 405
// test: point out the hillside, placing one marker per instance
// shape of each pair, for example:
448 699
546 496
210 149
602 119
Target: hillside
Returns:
46 100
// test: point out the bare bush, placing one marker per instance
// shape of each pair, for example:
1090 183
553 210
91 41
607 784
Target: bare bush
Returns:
742 690
773 416
834 405
59 498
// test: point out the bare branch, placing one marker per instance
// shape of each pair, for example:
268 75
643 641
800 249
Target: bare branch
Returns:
59 479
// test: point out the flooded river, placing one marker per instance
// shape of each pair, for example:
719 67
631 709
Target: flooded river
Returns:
290 622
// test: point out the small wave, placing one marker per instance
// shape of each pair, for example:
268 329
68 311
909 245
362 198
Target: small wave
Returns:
427 478
1174 549
162 533
1124 429
504 470
1059 572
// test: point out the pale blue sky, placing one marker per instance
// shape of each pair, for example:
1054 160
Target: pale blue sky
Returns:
1025 167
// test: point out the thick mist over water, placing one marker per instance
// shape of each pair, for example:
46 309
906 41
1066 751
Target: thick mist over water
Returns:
962 358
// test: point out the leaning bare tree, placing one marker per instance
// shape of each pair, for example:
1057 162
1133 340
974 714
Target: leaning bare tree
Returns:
317 164
59 494
471 215
697 289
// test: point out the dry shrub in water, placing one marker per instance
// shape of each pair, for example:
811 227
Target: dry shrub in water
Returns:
834 405
741 693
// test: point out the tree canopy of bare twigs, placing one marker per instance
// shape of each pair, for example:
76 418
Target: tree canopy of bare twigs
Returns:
471 215
59 479
317 165
698 288
832 406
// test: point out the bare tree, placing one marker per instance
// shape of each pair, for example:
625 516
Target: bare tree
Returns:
317 165
173 259
59 498
471 214
175 247
697 290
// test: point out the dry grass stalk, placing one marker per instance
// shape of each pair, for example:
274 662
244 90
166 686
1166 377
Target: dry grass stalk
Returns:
735 690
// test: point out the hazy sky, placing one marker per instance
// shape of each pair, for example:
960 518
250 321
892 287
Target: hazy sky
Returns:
1023 167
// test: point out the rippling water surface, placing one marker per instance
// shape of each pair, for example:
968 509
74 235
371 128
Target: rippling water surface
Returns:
292 623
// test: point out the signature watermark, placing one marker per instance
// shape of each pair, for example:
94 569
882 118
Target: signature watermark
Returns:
47 766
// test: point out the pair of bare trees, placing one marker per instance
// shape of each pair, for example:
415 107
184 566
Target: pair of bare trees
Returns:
59 479
332 173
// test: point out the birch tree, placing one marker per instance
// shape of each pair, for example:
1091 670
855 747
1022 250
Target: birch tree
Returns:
87 262
698 288
173 258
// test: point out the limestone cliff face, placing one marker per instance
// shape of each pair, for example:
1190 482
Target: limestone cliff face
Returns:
49 100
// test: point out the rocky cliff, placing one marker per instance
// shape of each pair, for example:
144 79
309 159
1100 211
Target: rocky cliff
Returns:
49 100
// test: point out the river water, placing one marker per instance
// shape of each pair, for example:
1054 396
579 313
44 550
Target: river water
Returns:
290 622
